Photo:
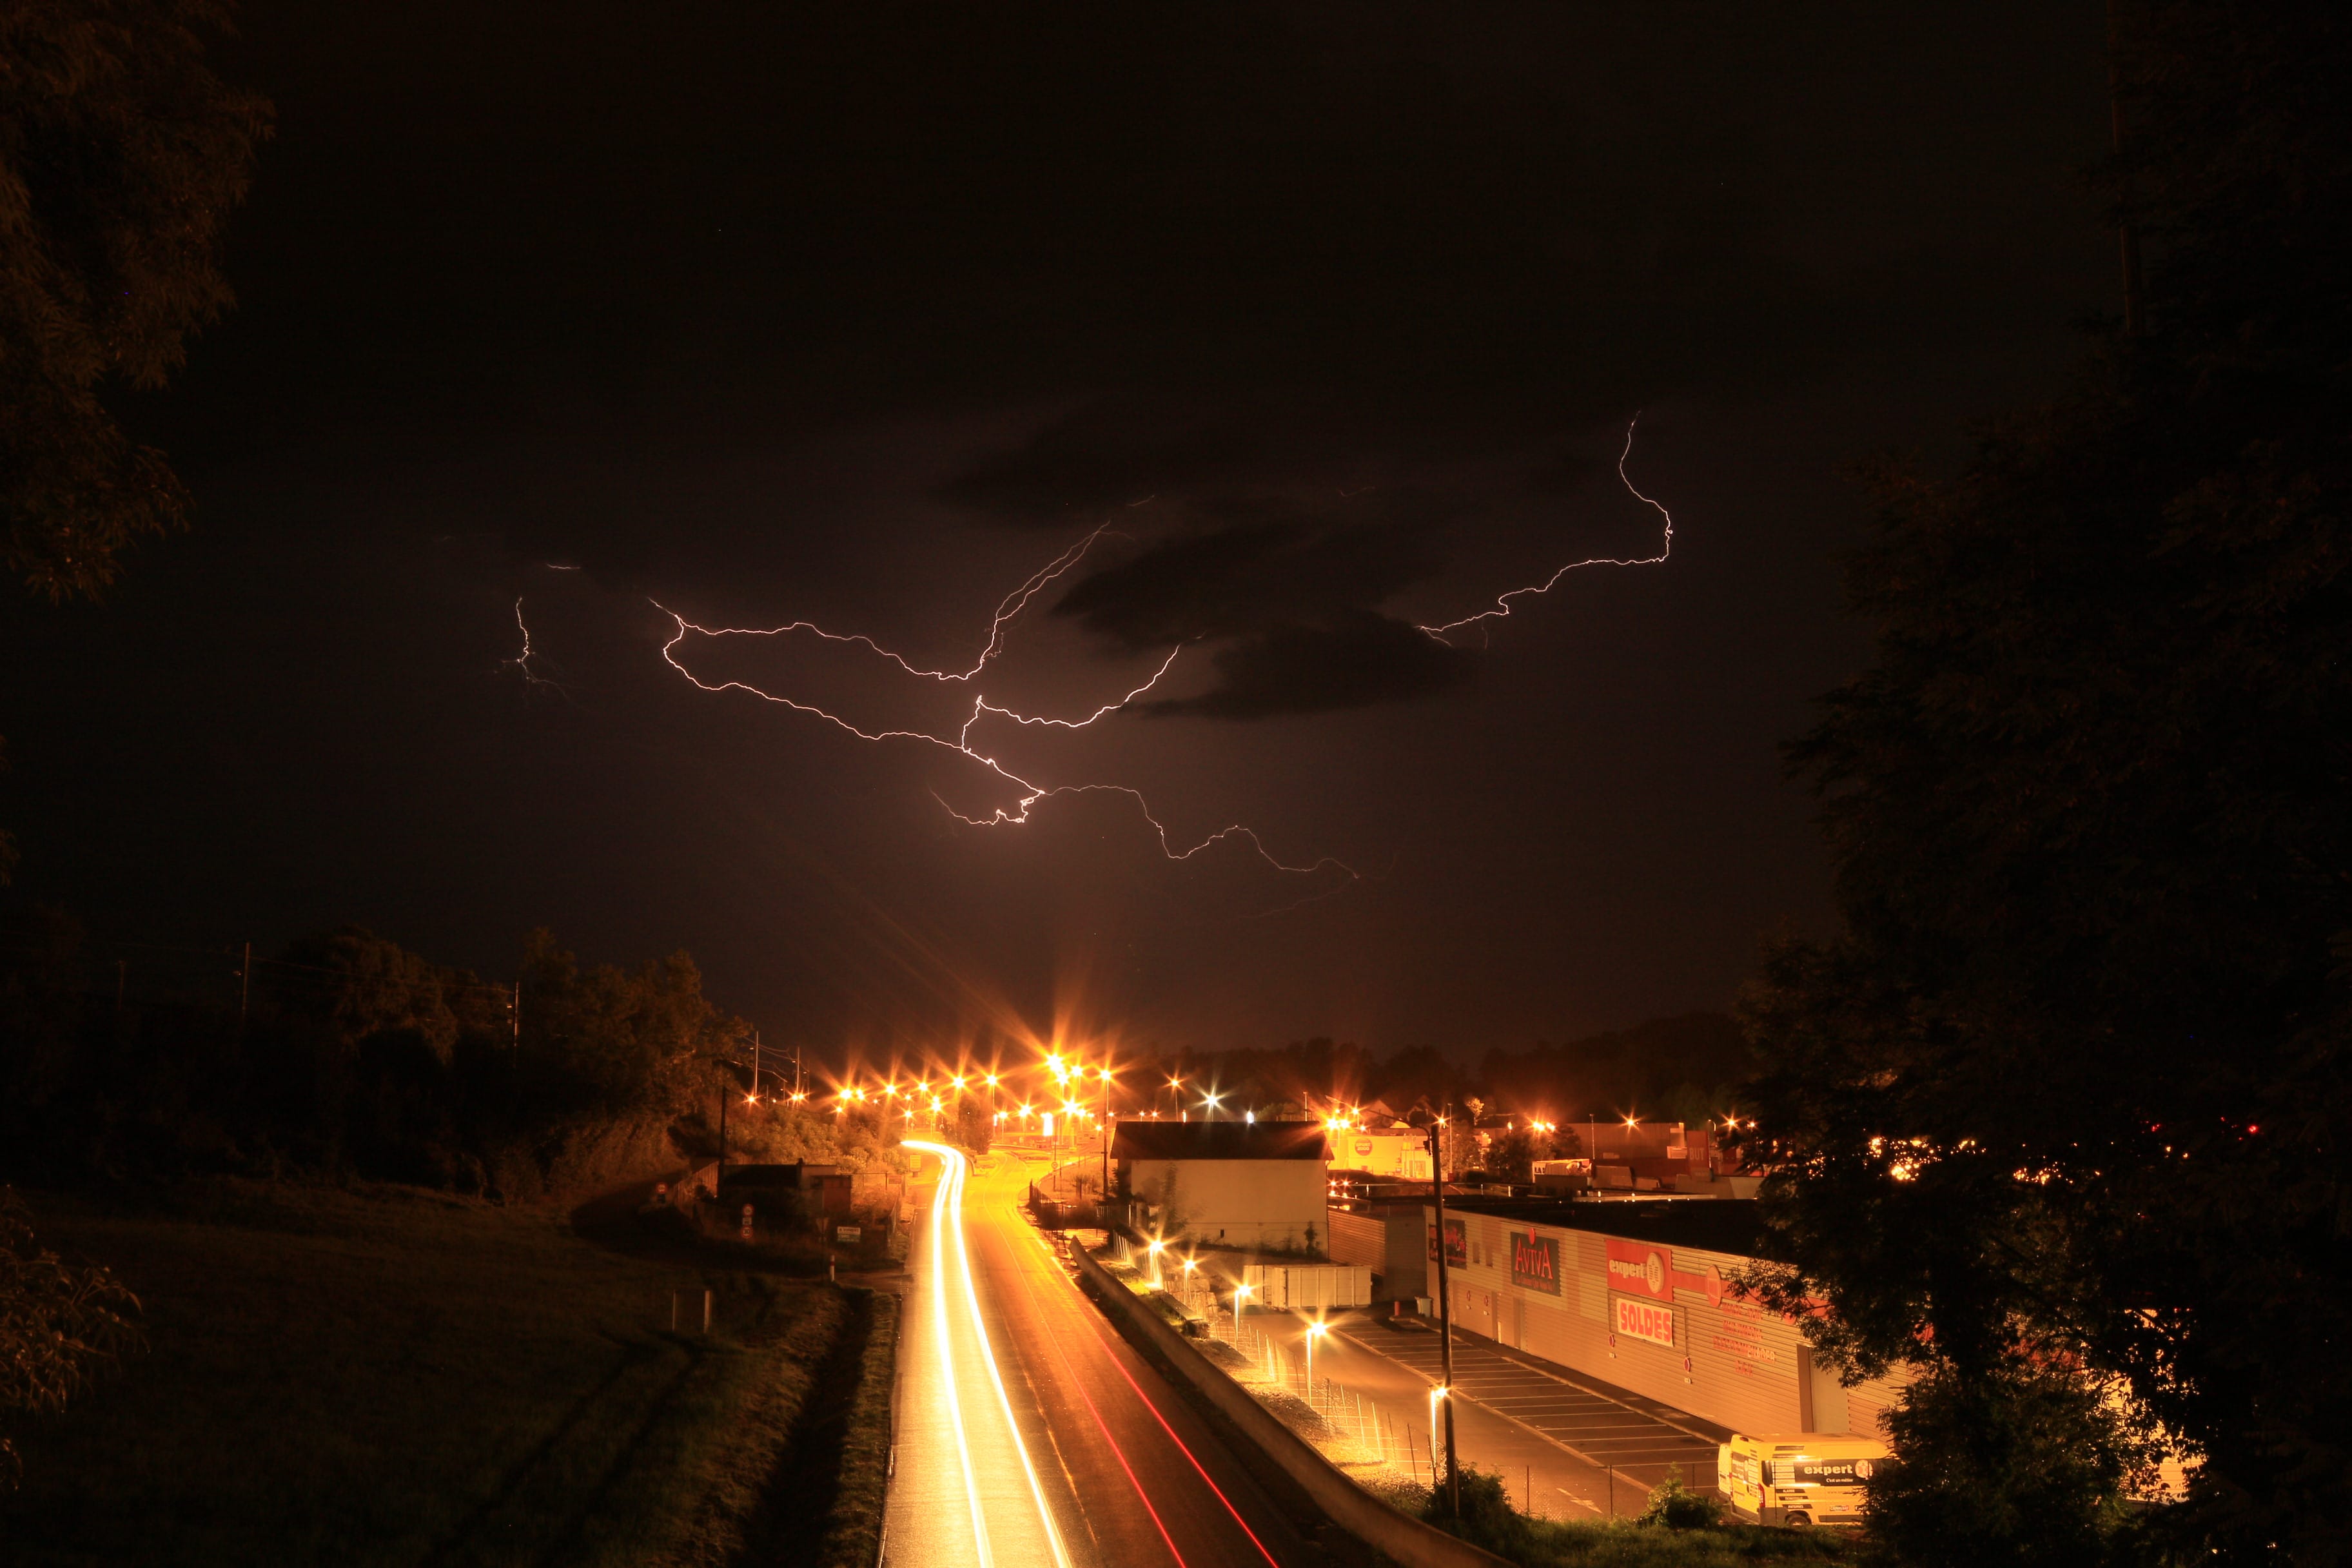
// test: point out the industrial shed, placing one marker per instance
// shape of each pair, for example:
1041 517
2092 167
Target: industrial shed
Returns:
1257 1186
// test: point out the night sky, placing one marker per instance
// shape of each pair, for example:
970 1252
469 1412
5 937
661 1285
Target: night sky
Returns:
1337 314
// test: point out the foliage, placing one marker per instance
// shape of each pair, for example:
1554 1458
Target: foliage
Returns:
2069 1085
360 1058
1676 1507
1488 1519
857 1140
62 1325
120 155
2032 1465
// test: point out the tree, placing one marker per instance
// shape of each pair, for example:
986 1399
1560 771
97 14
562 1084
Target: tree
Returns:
120 155
2069 1087
62 1325
2030 1464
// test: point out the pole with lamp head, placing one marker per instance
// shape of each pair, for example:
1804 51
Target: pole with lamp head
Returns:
1444 1319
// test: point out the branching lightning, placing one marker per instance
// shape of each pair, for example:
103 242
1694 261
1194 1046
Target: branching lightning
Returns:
522 662
1030 793
1503 600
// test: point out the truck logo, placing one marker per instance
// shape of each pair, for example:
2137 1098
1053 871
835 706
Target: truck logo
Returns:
1649 1270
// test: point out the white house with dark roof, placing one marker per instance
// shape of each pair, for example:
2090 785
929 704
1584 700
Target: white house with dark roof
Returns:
1255 1185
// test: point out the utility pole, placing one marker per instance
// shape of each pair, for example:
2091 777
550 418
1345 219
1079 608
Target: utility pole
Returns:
1104 1191
243 989
755 1064
514 1014
1444 1313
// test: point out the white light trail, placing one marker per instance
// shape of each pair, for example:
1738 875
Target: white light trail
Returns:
949 1162
952 1176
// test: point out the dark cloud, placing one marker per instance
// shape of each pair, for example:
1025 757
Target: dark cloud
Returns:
1113 451
1252 575
1291 605
1354 659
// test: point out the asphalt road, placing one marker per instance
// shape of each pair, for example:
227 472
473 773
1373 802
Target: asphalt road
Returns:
1029 1433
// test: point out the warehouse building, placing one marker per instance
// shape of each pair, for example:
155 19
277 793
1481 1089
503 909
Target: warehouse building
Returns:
1257 1186
1639 1295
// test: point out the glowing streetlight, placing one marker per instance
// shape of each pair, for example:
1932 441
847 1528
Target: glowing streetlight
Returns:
1435 1395
1241 1300
1316 1329
1155 1249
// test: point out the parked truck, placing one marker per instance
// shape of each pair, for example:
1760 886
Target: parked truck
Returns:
1810 1479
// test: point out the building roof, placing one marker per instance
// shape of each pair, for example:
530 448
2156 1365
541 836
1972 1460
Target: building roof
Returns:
1714 1225
1218 1141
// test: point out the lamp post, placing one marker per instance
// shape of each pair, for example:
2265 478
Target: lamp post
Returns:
1445 1322
1103 1072
1439 1396
1314 1331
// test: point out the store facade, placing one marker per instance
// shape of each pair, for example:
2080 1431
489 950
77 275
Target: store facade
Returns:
1651 1314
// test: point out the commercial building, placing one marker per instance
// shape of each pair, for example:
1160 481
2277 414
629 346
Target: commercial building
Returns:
1638 1294
1255 1185
1398 1153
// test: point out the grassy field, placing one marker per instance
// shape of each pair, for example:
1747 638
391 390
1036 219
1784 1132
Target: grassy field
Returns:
388 1376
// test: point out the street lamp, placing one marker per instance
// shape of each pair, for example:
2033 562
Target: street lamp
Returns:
1241 1300
1435 1395
1314 1331
1155 1249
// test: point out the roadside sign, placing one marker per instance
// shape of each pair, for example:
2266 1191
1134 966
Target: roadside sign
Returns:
847 1234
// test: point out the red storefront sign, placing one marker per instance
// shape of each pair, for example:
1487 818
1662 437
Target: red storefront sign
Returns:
1535 1261
1643 1320
1649 1270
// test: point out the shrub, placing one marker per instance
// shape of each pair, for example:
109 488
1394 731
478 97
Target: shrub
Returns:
1676 1507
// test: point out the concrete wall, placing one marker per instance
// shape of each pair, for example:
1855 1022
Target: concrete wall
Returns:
1242 1203
1359 1238
1731 1362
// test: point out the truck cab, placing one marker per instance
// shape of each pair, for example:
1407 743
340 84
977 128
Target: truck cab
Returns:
1807 1478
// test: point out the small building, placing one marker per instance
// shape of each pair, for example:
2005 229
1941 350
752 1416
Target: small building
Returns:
1400 1153
1253 1186
801 1190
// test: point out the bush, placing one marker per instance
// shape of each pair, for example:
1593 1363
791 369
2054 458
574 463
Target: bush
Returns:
1676 1507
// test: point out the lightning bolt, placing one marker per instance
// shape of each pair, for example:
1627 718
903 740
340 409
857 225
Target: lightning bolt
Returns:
1503 600
522 662
1030 793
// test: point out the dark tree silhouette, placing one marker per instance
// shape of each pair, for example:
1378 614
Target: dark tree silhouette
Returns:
2066 1098
120 155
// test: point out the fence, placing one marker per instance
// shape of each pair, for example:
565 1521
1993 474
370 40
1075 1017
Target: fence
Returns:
1358 1430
